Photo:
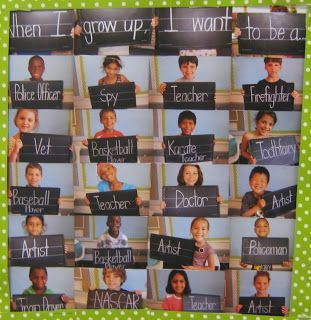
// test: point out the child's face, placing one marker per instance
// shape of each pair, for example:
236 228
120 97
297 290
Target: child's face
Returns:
178 284
108 173
34 226
262 228
199 231
33 177
190 175
108 120
186 126
36 69
114 225
112 281
112 69
273 69
188 70
261 285
39 279
25 121
264 125
258 183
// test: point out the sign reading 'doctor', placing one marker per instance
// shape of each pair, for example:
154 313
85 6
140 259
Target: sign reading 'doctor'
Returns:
36 94
38 302
269 97
171 249
114 27
41 30
118 96
114 202
29 200
188 149
191 201
265 250
269 306
113 258
201 303
189 95
38 147
200 28
113 150
280 201
275 150
272 33
111 299
37 251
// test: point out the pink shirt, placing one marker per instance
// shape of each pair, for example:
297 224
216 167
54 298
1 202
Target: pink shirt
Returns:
104 134
172 303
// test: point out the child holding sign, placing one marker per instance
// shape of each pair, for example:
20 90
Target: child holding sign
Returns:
113 237
262 283
265 121
177 286
26 121
111 66
262 230
204 257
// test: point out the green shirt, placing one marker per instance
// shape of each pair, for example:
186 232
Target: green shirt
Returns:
31 290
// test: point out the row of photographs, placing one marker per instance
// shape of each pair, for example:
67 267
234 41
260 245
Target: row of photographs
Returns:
153 190
190 243
248 292
189 82
222 31
218 137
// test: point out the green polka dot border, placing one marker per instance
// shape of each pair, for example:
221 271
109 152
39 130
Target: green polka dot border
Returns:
301 276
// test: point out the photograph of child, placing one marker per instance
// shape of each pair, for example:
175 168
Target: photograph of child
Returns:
209 254
111 232
261 228
99 71
246 198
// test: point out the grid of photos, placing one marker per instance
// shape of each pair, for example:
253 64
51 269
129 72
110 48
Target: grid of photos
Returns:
153 158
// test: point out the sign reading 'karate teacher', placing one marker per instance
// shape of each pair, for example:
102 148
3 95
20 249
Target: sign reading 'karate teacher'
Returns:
189 149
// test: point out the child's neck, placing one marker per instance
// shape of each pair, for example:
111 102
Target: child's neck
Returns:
108 130
113 234
257 196
39 291
263 295
179 295
272 79
200 244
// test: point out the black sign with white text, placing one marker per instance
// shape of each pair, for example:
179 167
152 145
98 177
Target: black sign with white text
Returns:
269 97
272 33
31 200
189 149
38 302
114 203
113 258
113 150
269 306
191 201
39 147
265 250
189 95
118 96
201 303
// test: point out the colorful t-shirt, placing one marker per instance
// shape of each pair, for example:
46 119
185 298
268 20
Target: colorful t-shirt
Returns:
172 303
107 241
201 255
31 290
104 134
103 186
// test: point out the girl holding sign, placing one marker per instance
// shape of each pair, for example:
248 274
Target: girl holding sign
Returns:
177 286
261 284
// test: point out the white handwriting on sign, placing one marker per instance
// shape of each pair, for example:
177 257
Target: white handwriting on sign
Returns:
33 30
43 93
168 248
254 33
276 149
283 200
111 26
259 308
35 251
112 205
108 98
116 300
199 305
192 201
44 306
190 96
255 249
109 260
205 24
42 149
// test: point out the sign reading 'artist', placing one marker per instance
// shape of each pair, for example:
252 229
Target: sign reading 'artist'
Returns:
265 250
269 306
189 95
114 202
30 200
188 149
269 97
118 96
272 33
38 302
113 258
113 150
191 201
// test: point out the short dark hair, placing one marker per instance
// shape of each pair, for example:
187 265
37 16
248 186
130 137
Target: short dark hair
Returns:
180 177
35 215
106 110
259 219
112 59
32 269
187 114
262 274
169 289
119 272
34 58
262 113
272 59
260 170
187 59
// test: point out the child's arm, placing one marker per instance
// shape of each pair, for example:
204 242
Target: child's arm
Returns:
243 265
138 201
162 87
252 211
13 154
219 199
237 32
243 148
64 298
284 310
294 94
238 308
85 142
286 264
